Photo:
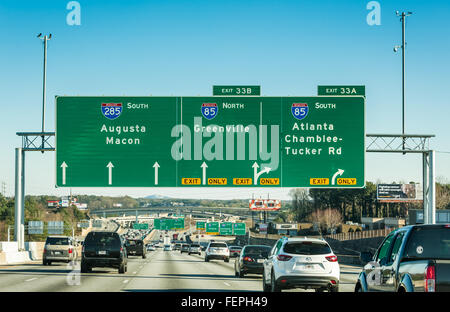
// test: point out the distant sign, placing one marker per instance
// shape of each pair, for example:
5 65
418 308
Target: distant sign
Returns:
263 228
140 226
226 228
341 90
35 227
265 204
399 192
200 225
55 227
239 228
212 228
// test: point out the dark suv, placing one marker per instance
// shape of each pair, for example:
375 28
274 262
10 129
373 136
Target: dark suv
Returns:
103 249
136 247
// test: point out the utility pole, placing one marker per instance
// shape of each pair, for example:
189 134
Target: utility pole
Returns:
403 16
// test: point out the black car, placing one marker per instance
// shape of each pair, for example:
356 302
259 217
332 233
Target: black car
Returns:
251 260
136 247
103 249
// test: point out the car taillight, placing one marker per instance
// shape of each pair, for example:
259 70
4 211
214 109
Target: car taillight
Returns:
70 250
248 259
45 250
284 257
332 258
430 279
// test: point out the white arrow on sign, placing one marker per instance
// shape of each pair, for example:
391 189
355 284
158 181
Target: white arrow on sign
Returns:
110 166
156 166
204 166
339 172
64 166
256 174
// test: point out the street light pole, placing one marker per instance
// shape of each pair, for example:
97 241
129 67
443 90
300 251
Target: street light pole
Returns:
44 81
403 46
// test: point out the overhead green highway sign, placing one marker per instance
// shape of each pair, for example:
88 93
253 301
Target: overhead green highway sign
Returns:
200 225
212 228
341 90
140 226
237 90
210 141
226 228
239 228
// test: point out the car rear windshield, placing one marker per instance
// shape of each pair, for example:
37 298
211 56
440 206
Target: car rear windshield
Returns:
57 241
195 245
429 243
133 243
307 248
257 251
102 239
217 245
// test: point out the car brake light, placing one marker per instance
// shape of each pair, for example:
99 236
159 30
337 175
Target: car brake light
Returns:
447 226
248 259
70 250
332 258
284 257
430 279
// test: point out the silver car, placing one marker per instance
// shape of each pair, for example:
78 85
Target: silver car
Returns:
195 249
59 249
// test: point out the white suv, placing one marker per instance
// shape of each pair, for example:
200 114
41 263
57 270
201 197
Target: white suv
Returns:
307 263
217 250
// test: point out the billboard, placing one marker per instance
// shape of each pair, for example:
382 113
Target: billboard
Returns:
265 204
399 192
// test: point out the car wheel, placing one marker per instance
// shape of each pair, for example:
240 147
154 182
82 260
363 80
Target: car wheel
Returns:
144 256
49 263
44 262
122 269
227 260
273 285
206 259
334 289
84 268
358 288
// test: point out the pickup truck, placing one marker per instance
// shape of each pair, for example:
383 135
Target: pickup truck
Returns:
414 258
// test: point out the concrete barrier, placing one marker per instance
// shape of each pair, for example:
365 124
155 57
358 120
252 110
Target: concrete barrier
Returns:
10 254
36 249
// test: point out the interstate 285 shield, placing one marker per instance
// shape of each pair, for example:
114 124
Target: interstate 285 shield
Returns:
299 110
209 110
111 110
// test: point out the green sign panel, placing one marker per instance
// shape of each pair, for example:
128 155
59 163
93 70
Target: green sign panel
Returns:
239 229
212 228
226 228
210 141
156 224
200 225
237 90
140 226
341 90
168 224
178 224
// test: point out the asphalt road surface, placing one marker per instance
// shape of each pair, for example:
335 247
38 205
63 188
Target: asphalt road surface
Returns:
160 271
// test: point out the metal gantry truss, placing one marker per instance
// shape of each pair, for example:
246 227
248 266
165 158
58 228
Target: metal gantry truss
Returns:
37 141
398 143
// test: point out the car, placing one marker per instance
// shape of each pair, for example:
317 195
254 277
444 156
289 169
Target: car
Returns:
195 249
307 263
184 248
217 250
251 260
135 247
151 248
414 258
177 246
59 249
235 251
103 249
167 248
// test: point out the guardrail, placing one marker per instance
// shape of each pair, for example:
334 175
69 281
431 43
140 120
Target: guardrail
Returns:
359 235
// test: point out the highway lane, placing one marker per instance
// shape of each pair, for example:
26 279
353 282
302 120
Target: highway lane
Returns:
160 271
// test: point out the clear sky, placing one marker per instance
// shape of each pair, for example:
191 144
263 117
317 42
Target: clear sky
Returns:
184 47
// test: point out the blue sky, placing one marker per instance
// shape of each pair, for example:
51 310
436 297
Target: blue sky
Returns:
184 47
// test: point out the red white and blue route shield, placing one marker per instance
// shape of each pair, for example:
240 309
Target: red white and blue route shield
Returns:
209 110
111 110
299 110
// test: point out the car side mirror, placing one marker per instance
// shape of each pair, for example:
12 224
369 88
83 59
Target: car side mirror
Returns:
365 256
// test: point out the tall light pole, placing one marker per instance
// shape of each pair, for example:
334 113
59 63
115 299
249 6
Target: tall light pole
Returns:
44 39
403 16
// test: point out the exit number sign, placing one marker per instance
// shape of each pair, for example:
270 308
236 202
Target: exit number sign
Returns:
237 90
341 90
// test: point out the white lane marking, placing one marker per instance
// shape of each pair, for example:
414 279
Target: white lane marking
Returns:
125 281
226 284
31 279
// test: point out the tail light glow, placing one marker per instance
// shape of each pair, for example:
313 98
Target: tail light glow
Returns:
284 257
332 258
248 259
430 279
70 250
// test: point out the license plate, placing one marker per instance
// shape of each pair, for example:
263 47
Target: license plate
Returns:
260 260
102 252
57 252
